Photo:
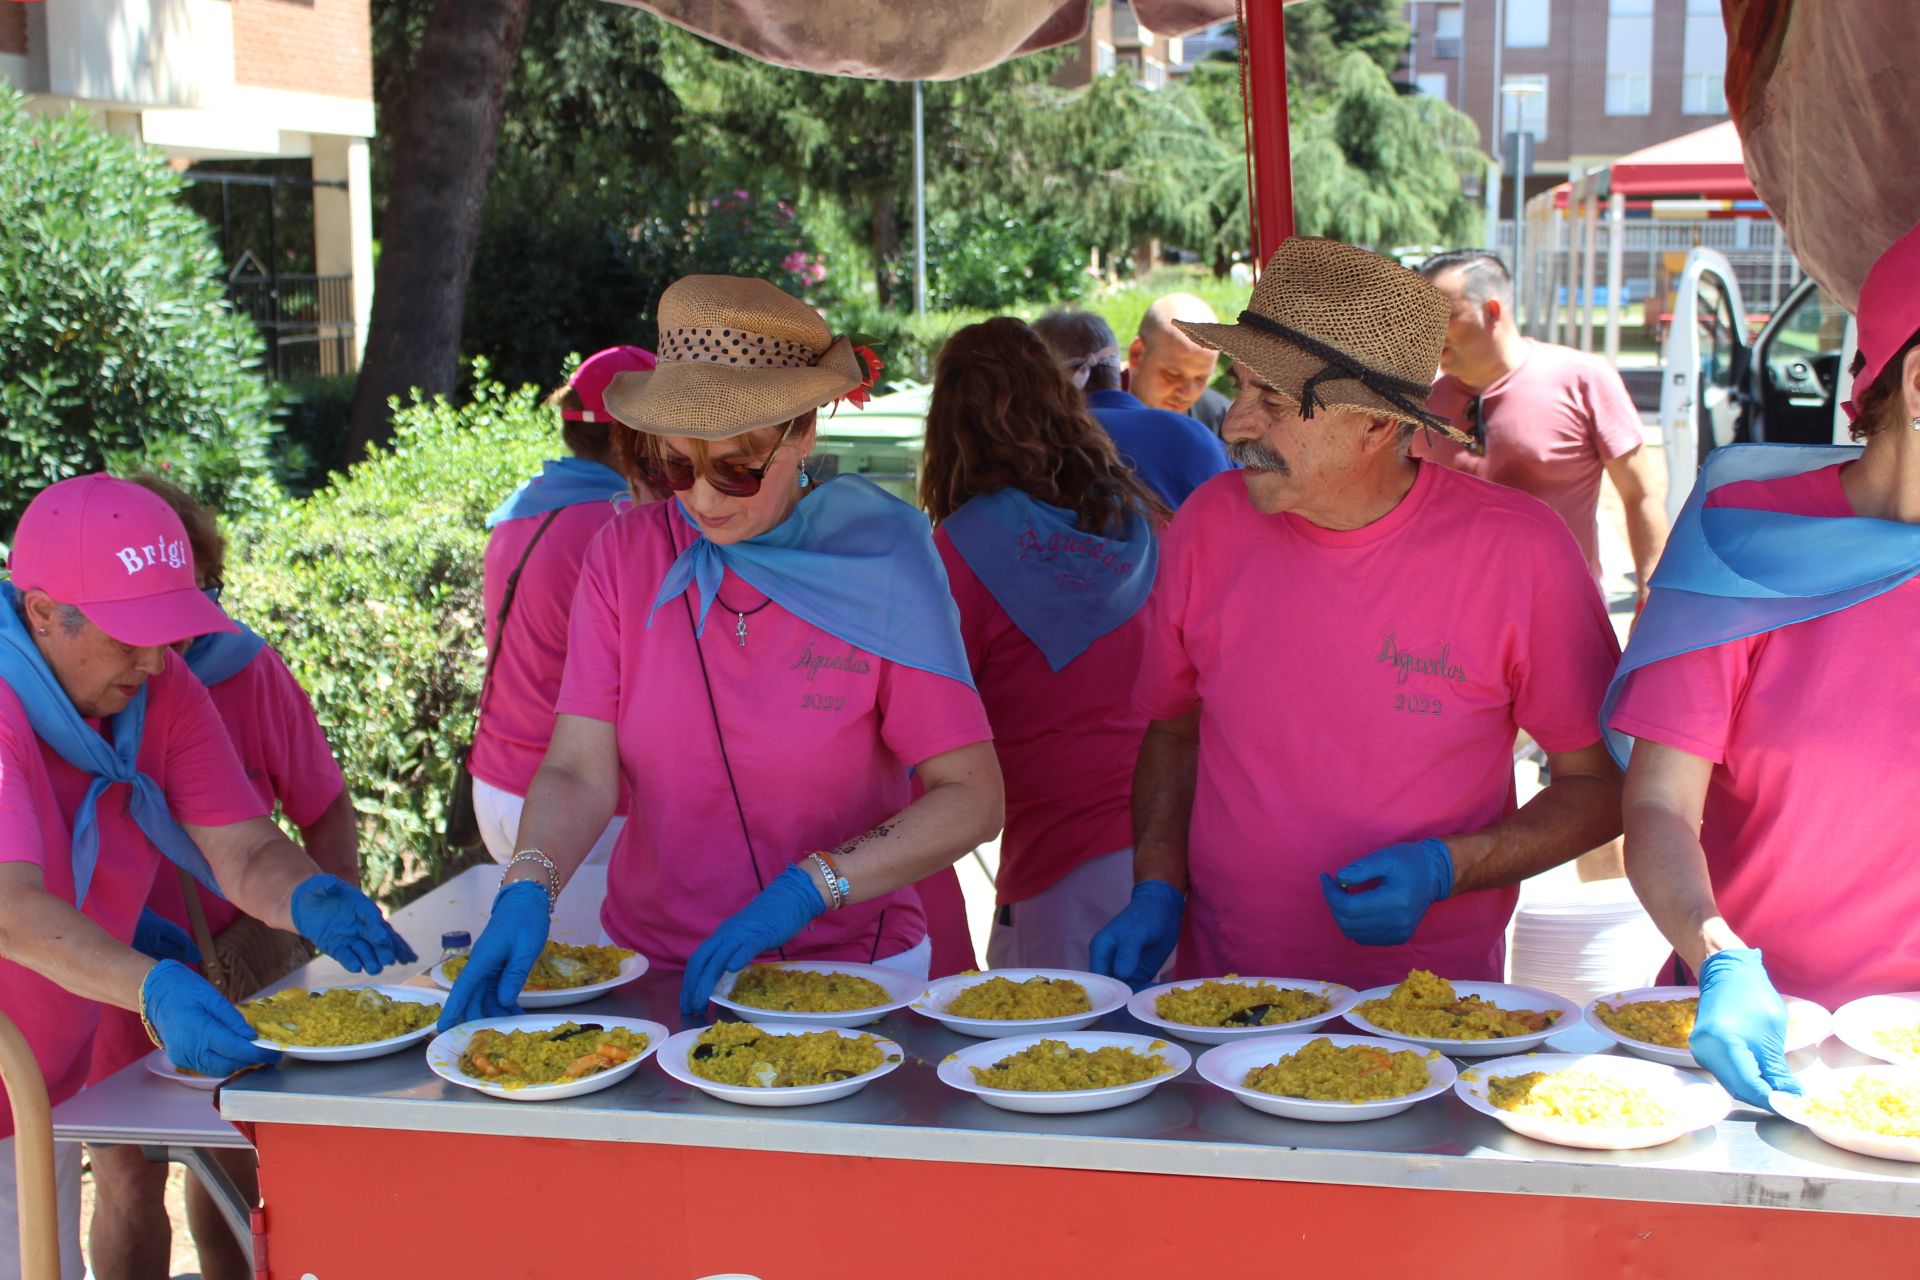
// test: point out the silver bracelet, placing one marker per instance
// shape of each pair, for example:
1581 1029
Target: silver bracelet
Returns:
837 885
546 863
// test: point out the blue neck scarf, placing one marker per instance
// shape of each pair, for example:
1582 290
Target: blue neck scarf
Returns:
1729 573
222 655
562 482
1064 588
58 723
854 561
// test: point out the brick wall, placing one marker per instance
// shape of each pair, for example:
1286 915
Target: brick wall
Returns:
307 46
13 28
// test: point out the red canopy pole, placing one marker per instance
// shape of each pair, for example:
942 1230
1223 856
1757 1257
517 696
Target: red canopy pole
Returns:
1266 43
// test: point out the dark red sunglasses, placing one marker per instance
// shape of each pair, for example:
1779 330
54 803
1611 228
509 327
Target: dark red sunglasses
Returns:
735 479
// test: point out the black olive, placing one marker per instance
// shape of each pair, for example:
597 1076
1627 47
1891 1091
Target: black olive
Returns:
702 1052
582 1029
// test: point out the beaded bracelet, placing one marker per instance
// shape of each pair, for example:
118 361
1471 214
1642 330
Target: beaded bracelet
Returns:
838 886
546 863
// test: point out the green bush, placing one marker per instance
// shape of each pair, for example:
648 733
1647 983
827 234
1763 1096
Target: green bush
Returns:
992 258
117 348
371 591
314 410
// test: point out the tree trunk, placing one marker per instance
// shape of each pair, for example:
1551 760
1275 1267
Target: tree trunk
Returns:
443 153
884 222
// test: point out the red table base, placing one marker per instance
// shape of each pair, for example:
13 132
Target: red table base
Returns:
358 1204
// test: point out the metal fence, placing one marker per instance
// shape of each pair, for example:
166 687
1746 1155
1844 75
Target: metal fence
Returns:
306 321
1652 254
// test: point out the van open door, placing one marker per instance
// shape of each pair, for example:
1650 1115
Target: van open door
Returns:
1705 355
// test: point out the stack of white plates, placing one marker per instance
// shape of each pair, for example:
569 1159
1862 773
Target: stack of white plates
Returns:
1583 940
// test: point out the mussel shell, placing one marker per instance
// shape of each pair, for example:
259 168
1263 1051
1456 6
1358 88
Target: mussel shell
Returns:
1252 1016
582 1029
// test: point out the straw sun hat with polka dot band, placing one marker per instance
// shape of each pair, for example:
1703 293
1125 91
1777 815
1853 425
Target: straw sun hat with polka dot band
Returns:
736 355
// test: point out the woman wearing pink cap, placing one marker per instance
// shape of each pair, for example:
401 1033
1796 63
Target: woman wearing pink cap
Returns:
539 539
1769 804
762 661
290 764
111 758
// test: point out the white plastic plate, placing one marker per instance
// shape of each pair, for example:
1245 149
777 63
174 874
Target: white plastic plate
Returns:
955 1071
1807 1024
630 968
1697 1103
1141 1006
1227 1065
1859 1023
1104 994
901 989
674 1061
443 1055
162 1066
373 1048
1864 1141
1499 993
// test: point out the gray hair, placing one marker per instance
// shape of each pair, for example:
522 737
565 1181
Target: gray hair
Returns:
1084 345
1482 274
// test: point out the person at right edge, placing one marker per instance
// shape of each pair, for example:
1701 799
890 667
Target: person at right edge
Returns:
1342 645
1769 805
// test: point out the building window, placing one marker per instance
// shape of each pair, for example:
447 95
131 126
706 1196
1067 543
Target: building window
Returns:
1629 57
1446 31
1703 84
1527 23
1527 110
1432 83
1153 75
1102 59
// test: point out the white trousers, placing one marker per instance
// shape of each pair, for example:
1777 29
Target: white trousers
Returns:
66 1181
1054 928
498 813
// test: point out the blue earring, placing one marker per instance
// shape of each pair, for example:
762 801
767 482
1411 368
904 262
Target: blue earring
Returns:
804 479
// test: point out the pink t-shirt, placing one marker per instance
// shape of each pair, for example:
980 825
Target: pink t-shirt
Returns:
1359 689
819 735
185 750
516 722
1812 730
1067 740
1551 427
288 760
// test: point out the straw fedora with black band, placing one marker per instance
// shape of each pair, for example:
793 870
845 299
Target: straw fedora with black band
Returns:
736 354
1333 326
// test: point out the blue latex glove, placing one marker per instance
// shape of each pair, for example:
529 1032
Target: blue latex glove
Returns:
1411 878
1134 944
776 913
199 1029
161 938
497 967
1740 1033
343 922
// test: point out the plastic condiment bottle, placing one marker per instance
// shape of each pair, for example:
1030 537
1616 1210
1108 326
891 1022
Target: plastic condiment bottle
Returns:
455 942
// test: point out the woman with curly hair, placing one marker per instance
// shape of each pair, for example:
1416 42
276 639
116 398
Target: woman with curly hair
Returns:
1048 541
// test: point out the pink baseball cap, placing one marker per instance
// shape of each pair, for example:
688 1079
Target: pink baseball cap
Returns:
1889 311
590 380
119 554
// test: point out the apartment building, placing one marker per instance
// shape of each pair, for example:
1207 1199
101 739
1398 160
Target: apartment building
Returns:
203 81
1116 42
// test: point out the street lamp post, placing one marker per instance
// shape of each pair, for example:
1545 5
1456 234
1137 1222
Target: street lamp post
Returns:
1520 162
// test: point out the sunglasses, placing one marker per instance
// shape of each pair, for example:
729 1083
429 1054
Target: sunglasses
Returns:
735 479
1477 446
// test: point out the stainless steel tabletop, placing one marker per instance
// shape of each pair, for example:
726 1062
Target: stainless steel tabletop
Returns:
1185 1127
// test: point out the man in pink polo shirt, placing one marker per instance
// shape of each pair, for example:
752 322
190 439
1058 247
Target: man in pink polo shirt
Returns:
111 757
1334 678
1544 419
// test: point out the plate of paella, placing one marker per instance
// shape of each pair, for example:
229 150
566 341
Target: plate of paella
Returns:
1327 1077
1462 1019
566 973
815 993
778 1066
1596 1101
1221 1010
543 1057
1655 1023
1013 1002
1874 1111
1885 1027
1065 1072
342 1024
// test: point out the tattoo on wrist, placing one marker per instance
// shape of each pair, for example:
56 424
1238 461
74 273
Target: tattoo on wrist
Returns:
880 832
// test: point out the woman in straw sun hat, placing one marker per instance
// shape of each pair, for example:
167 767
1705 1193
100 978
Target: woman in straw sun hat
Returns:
1342 645
762 660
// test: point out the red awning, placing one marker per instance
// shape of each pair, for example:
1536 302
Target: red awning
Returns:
1707 164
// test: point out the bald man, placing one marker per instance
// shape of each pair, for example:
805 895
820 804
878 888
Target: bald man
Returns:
1168 370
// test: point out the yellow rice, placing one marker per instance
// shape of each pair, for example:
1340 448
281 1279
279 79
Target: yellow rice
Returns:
1005 1000
1326 1072
1581 1097
1053 1066
563 966
1213 1002
772 986
1425 1005
1900 1043
342 1016
1871 1104
1663 1022
568 1051
739 1053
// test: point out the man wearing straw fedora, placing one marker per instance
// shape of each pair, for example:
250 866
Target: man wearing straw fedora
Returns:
1344 643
